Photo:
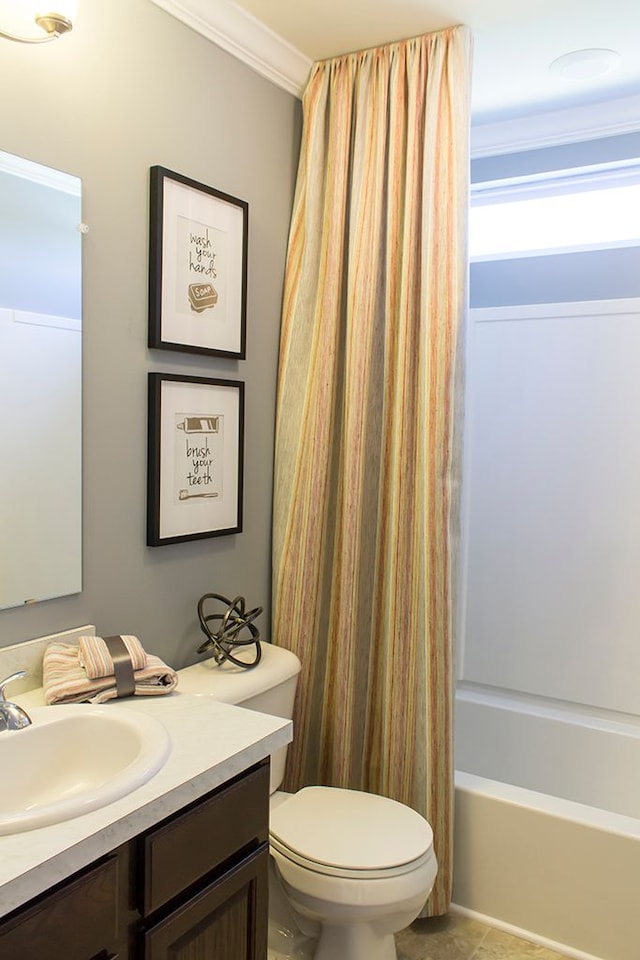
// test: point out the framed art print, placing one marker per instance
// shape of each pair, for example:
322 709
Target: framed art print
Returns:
197 267
195 458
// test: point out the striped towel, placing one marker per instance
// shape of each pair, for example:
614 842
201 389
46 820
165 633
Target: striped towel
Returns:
95 657
65 679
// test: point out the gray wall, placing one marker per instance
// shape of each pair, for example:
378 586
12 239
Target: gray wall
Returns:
121 94
562 278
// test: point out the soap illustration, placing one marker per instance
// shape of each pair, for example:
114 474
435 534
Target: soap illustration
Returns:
202 296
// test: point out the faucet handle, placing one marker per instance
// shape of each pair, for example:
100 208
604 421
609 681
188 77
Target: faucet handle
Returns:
14 676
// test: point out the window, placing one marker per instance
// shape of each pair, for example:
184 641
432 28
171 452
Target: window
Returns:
570 210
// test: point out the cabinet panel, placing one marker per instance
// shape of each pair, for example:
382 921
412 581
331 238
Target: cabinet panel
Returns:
227 920
77 922
191 845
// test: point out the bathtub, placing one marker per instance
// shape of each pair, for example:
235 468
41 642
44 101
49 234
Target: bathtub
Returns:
547 823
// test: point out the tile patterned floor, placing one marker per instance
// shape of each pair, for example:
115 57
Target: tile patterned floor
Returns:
455 937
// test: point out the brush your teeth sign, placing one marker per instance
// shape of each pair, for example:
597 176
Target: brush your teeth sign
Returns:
195 448
199 456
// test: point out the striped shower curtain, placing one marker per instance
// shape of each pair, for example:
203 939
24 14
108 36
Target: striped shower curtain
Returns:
368 416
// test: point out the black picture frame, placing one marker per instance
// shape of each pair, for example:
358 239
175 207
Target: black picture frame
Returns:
195 458
197 267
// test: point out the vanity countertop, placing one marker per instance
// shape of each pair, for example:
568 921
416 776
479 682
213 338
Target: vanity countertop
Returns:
211 742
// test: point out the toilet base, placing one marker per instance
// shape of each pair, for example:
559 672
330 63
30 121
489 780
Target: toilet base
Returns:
287 941
353 919
356 941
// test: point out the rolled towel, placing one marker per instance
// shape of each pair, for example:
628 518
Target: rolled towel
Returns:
95 655
65 680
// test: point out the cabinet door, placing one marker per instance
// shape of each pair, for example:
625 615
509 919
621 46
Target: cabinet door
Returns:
79 921
226 920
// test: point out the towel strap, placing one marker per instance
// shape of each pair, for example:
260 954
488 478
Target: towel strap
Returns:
122 666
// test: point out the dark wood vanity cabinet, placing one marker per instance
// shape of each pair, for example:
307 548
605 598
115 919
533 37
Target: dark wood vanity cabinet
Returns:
193 887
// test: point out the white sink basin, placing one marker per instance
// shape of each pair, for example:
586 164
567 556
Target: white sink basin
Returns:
73 759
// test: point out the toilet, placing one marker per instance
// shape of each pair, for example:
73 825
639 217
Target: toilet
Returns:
354 867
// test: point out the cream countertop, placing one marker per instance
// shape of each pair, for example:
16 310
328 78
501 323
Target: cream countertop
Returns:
211 742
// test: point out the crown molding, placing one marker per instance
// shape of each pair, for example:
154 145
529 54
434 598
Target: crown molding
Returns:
244 37
555 127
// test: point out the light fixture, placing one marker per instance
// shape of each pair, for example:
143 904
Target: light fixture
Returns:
54 23
580 65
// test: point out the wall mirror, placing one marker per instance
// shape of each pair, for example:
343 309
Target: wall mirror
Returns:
40 382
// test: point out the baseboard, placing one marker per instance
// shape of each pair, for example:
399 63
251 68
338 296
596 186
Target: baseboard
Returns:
524 934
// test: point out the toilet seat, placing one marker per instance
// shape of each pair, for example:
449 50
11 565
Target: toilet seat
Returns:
350 834
346 873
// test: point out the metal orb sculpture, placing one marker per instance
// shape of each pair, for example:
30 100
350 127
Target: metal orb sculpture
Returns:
235 629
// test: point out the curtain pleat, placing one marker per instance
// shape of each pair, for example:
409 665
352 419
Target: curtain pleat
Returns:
367 432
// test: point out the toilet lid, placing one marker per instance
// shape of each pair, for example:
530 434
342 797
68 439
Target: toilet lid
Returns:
350 830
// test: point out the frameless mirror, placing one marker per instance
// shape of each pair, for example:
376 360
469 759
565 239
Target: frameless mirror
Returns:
40 382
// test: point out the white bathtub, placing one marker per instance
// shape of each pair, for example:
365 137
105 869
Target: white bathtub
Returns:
547 828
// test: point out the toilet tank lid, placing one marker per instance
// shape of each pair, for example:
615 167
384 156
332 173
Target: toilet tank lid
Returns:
230 684
351 830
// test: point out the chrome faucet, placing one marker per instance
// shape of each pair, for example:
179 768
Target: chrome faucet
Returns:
12 717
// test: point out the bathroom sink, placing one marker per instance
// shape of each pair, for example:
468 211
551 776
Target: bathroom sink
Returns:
73 759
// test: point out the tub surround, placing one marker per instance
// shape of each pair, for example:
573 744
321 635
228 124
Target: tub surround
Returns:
558 749
211 743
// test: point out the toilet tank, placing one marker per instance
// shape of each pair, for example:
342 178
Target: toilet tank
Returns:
270 687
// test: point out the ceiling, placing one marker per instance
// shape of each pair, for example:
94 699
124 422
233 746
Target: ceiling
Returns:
514 42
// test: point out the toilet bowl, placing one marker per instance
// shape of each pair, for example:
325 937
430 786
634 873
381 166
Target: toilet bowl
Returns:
354 867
